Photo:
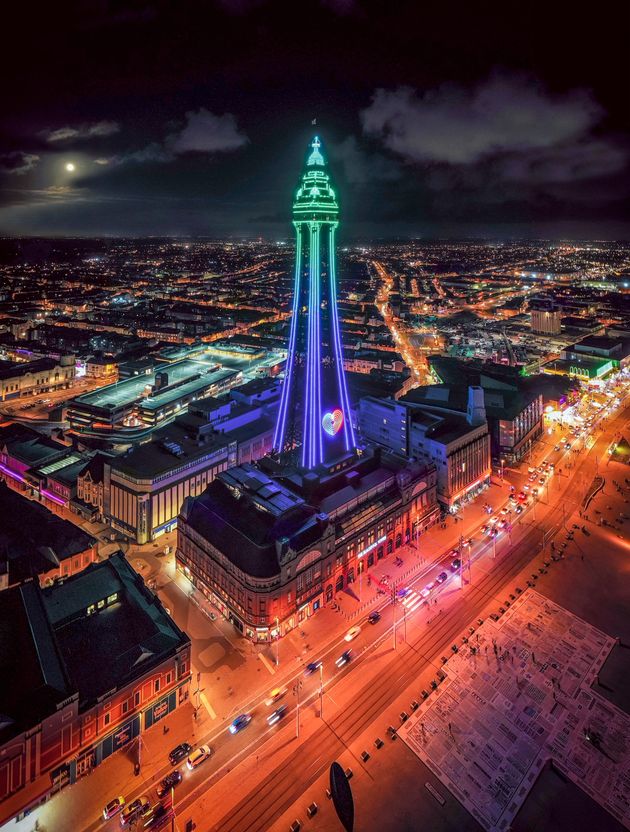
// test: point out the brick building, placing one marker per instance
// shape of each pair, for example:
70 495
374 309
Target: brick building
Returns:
93 662
269 547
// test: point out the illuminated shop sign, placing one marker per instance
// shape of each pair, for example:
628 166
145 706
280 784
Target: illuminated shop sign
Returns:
376 543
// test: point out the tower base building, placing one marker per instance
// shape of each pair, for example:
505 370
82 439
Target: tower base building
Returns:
269 546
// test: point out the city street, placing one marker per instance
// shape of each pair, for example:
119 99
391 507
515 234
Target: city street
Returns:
236 677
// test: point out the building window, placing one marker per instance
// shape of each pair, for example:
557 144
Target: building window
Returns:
91 609
156 686
168 678
112 598
136 699
125 706
106 719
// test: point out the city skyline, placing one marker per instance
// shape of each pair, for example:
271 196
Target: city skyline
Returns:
150 120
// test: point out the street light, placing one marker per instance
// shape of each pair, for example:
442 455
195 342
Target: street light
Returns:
296 692
277 641
321 691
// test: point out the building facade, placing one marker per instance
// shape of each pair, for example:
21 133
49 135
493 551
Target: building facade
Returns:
546 319
457 445
34 377
268 552
144 490
70 706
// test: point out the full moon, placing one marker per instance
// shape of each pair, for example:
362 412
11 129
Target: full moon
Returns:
70 166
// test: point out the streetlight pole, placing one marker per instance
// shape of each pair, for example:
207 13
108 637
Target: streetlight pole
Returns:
277 641
321 691
296 693
394 612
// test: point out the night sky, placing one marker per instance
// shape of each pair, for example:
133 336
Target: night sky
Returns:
192 118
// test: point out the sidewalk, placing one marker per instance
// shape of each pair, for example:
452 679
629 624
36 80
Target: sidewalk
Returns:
79 807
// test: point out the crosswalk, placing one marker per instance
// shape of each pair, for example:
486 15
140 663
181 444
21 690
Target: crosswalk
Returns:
413 600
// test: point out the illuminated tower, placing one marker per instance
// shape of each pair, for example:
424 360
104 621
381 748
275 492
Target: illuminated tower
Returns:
314 416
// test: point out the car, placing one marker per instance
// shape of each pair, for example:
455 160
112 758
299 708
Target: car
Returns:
541 481
373 617
113 807
455 565
156 816
430 586
352 633
488 509
424 593
505 510
312 667
484 529
198 756
519 509
169 782
403 592
522 496
277 715
494 533
241 721
532 477
179 752
441 578
502 524
552 467
133 810
527 487
344 658
567 446
535 492
275 694
513 498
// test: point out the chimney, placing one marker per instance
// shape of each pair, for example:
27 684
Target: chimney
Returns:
476 411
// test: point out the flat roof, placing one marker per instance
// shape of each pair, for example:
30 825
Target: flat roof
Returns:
130 389
169 396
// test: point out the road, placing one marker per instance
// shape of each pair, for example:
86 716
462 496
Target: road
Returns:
492 579
280 789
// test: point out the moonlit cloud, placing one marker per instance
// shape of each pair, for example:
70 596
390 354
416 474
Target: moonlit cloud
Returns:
203 133
459 125
81 132
18 162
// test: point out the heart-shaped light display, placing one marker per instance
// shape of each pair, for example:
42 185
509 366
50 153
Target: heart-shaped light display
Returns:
332 422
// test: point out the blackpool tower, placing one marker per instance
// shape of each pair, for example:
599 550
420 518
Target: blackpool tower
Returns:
314 426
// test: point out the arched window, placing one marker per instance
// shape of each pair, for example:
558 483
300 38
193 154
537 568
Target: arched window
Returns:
329 593
339 584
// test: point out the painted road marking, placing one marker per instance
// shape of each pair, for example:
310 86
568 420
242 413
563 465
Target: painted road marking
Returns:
208 706
267 663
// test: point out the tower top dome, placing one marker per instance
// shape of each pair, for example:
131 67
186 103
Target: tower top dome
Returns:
315 198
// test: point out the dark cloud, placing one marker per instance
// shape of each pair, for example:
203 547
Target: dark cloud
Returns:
81 132
461 125
18 162
202 133
206 133
361 166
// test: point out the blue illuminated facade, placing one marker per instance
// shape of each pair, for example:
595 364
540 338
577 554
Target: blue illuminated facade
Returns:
314 425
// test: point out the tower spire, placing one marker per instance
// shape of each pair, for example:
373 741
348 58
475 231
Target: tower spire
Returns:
314 417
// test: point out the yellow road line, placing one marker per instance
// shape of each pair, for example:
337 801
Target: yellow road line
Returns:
267 663
207 706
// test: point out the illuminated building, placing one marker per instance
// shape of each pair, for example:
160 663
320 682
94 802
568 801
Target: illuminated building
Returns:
546 318
271 543
93 662
314 417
